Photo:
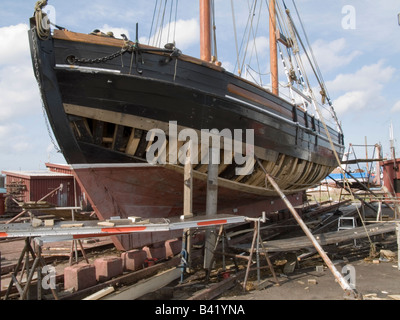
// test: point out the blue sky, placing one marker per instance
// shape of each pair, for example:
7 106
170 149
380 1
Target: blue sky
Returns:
358 52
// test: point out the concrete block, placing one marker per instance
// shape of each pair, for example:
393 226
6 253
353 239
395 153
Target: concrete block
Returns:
79 277
155 253
133 260
108 268
172 248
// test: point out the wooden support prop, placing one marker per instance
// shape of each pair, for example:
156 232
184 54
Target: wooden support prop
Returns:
17 217
398 245
349 291
211 204
37 266
258 240
74 249
187 212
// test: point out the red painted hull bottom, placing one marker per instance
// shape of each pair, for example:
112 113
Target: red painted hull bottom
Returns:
157 192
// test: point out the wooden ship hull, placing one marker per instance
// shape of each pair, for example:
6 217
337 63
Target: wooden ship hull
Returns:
102 101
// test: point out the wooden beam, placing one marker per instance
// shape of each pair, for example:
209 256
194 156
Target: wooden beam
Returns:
98 130
188 187
217 289
100 294
118 140
147 286
133 142
324 239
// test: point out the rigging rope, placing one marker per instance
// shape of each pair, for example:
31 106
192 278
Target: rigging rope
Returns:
160 23
152 22
236 40
250 26
254 49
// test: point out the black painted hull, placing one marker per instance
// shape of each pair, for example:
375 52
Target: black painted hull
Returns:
100 114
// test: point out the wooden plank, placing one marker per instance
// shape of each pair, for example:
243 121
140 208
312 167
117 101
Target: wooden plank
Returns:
87 38
147 286
133 142
217 289
259 99
83 130
118 140
100 294
119 43
324 239
188 187
72 225
98 130
106 224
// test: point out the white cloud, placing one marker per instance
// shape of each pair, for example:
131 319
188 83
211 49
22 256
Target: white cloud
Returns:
362 90
332 55
187 34
13 138
396 107
20 105
14 44
18 87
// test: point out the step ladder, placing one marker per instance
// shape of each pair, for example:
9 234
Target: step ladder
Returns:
347 223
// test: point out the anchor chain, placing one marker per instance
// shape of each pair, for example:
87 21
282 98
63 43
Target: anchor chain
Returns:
131 48
73 60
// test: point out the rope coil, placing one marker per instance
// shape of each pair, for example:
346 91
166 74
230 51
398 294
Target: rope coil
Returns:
42 20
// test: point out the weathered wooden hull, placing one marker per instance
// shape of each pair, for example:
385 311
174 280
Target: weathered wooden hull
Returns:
101 114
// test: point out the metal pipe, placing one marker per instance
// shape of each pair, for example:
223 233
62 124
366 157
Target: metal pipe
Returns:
343 283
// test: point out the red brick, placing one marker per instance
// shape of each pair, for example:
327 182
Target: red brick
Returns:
107 268
173 247
79 277
133 260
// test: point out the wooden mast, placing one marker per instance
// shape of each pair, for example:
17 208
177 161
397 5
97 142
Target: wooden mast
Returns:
205 30
273 48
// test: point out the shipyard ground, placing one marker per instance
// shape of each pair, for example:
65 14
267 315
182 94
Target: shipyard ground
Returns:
374 281
376 278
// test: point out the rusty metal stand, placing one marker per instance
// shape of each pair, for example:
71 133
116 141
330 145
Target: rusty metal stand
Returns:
37 266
